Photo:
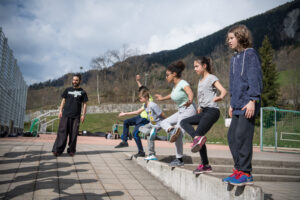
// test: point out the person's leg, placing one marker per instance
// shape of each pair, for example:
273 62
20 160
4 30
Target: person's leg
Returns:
209 117
128 122
169 122
73 134
231 139
61 138
136 136
187 124
183 113
244 138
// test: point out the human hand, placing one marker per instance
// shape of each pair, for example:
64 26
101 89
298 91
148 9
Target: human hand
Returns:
230 112
121 114
216 99
82 118
60 114
199 110
137 77
158 97
250 108
188 103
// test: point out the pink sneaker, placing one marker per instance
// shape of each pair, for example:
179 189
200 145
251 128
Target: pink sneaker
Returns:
202 169
198 143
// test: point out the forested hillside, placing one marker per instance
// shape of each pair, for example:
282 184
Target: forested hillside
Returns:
117 83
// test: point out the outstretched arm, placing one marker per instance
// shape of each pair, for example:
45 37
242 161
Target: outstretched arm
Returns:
161 98
122 114
138 80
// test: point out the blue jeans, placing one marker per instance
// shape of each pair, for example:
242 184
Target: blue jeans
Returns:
137 121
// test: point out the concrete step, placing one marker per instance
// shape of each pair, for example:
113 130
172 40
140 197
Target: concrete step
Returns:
229 161
256 169
263 177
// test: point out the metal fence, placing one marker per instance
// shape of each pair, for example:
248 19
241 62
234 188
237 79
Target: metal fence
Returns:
279 129
13 89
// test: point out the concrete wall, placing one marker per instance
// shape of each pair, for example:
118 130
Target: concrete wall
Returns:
106 108
196 187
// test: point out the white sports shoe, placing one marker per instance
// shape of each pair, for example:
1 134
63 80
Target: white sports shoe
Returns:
151 157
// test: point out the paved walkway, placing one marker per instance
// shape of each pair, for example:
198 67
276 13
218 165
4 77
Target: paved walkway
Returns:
98 171
28 170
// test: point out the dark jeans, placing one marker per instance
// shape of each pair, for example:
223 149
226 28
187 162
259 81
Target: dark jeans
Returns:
67 126
240 136
204 120
137 121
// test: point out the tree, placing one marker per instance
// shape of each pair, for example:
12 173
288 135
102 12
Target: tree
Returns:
270 92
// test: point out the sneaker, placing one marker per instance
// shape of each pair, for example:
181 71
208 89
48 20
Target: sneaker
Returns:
202 169
198 143
176 163
241 179
153 134
151 157
139 154
122 144
56 154
233 175
175 135
72 154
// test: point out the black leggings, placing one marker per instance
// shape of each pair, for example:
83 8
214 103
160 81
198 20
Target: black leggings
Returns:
204 120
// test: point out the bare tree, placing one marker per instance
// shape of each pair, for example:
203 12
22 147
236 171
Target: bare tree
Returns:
100 63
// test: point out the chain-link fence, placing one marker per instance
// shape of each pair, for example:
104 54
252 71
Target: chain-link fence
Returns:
13 89
280 129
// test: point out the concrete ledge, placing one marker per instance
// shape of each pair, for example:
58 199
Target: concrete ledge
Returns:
192 187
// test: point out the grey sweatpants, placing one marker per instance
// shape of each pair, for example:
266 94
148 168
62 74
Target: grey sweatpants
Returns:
146 129
174 120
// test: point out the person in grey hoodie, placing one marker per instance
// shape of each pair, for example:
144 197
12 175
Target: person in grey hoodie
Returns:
245 93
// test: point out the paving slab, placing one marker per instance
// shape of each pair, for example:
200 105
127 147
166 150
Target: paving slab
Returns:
27 160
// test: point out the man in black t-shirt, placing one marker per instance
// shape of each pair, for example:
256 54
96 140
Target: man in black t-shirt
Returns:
74 98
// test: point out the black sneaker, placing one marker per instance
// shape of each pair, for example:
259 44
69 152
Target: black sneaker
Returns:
140 154
122 144
176 163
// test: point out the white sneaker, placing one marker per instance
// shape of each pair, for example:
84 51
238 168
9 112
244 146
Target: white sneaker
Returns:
151 157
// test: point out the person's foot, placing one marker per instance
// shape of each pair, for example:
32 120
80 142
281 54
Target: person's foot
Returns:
153 134
233 175
122 144
241 179
151 157
72 154
175 134
176 163
140 154
56 154
198 143
202 169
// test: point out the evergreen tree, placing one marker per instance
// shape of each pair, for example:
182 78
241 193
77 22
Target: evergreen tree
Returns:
270 75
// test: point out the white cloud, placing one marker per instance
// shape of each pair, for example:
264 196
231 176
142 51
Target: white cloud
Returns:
53 37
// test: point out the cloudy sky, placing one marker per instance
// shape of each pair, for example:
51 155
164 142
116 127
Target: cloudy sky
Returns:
53 37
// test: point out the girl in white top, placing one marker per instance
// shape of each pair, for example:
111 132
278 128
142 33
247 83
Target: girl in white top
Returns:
183 96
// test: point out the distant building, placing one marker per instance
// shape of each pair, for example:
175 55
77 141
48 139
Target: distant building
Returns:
13 90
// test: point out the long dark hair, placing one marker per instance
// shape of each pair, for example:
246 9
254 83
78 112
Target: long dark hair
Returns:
177 67
207 61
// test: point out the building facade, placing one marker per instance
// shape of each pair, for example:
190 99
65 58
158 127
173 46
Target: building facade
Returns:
13 90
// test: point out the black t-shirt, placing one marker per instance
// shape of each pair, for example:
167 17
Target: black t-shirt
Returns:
74 99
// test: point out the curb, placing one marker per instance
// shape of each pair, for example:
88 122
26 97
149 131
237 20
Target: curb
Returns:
191 187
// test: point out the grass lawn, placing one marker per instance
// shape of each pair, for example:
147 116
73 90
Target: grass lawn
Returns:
103 122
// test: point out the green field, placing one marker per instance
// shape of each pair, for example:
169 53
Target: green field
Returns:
103 122
288 77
